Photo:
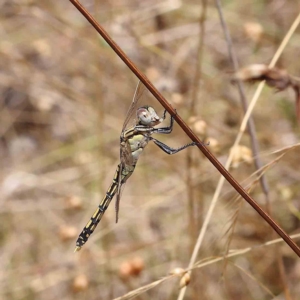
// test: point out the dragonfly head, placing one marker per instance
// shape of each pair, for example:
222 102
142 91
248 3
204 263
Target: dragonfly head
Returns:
147 116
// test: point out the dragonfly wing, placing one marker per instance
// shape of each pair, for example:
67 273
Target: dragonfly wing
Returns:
126 154
137 96
126 173
126 164
126 158
117 204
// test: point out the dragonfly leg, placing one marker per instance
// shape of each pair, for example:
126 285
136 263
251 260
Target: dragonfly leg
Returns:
164 115
165 130
168 149
165 112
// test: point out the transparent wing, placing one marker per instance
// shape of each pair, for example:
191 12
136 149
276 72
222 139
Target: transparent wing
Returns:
126 161
122 178
125 154
137 96
117 204
125 150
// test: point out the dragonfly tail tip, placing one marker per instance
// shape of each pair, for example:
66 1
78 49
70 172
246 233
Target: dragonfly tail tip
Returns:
77 248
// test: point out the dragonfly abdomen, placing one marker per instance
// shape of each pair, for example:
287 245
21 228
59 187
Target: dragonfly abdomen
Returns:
99 212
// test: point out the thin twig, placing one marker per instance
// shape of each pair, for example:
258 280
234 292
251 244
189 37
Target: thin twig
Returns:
241 90
197 76
186 128
193 218
195 213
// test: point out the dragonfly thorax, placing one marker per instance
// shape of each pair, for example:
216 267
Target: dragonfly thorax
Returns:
147 116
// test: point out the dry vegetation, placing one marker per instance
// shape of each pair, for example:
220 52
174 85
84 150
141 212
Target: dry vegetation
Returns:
64 96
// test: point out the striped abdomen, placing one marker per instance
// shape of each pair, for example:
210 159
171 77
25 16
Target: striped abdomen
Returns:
95 219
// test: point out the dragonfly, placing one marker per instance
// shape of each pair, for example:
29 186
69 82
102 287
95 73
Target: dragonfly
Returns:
133 141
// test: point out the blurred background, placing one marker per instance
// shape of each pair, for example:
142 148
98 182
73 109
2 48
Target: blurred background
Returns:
64 95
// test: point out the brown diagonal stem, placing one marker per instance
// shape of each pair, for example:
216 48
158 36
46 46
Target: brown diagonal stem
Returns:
185 127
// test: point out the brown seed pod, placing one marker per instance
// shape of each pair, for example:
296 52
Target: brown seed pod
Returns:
125 270
176 98
80 283
198 125
254 31
153 74
252 72
177 271
213 144
241 154
73 202
132 267
67 233
276 78
185 280
137 264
